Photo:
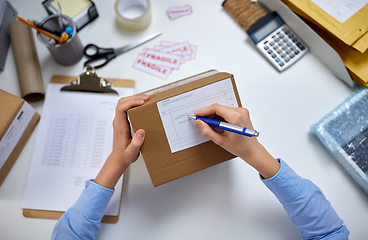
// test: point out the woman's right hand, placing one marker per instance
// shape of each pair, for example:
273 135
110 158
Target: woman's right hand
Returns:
247 148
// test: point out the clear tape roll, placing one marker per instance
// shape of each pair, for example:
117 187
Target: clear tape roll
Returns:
133 15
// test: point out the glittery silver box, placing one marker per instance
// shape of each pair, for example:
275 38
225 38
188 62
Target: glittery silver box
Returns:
344 132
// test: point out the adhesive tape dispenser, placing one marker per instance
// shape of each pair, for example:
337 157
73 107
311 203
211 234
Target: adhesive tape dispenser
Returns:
133 15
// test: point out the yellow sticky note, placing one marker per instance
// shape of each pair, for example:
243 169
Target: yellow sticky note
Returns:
71 8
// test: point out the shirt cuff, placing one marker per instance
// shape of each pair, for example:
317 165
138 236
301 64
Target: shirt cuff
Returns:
93 200
285 184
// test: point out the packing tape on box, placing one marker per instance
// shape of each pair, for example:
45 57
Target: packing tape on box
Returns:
133 15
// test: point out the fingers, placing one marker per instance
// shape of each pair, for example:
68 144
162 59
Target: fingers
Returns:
135 145
126 103
219 110
208 132
233 115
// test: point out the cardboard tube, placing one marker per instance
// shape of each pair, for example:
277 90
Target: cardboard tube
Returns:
26 62
133 15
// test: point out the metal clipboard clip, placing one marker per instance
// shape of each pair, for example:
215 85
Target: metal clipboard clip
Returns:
89 81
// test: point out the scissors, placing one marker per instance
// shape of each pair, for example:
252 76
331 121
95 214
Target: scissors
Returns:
97 54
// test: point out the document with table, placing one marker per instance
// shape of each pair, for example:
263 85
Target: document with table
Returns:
74 139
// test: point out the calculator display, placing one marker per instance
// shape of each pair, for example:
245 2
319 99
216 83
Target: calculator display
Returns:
266 30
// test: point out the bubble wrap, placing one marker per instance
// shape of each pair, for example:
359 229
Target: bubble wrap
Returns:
344 132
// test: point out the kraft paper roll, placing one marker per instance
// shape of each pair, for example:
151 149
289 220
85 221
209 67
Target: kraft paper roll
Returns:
133 15
26 61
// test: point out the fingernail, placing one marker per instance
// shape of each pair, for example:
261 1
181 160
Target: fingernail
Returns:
198 124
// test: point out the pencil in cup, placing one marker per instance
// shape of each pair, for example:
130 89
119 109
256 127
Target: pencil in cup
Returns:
38 29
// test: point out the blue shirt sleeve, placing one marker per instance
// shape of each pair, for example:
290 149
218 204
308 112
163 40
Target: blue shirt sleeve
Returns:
83 220
306 206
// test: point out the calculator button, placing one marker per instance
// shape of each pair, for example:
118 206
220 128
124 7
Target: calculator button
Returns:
288 44
292 48
265 42
265 47
274 36
283 55
275 47
269 51
281 35
290 35
296 52
287 59
294 40
292 55
281 64
273 55
284 47
277 39
300 45
288 51
277 60
286 31
272 43
279 51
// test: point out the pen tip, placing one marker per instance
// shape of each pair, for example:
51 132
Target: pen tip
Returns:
192 116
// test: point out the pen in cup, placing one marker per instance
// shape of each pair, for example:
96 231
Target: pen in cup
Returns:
38 29
227 126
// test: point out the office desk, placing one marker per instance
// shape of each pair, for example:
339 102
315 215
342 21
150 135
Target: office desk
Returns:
227 201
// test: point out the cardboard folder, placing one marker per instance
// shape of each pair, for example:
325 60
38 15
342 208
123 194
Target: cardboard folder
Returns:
163 165
57 214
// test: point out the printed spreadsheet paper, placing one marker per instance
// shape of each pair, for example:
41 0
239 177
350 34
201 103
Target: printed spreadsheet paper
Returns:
74 138
181 131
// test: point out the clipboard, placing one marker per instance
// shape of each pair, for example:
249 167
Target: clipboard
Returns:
82 84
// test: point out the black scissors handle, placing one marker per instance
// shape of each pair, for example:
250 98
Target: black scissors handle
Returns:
97 54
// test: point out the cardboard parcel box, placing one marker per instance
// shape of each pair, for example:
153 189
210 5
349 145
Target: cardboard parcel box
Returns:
17 121
173 146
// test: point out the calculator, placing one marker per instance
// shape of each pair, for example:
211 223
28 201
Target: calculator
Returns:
276 41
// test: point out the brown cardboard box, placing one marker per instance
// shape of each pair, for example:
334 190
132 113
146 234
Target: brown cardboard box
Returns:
164 166
17 121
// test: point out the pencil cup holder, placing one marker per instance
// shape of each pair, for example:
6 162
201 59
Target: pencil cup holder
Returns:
67 53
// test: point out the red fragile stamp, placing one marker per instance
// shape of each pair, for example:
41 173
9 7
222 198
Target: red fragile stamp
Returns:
176 12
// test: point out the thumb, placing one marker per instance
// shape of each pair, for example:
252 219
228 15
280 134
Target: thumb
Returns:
207 131
136 144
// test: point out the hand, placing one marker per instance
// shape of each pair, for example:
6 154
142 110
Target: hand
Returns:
247 148
125 148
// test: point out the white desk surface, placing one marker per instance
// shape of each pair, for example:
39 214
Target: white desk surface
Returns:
227 201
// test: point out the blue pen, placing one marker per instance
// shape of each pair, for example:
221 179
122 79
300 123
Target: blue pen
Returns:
226 126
